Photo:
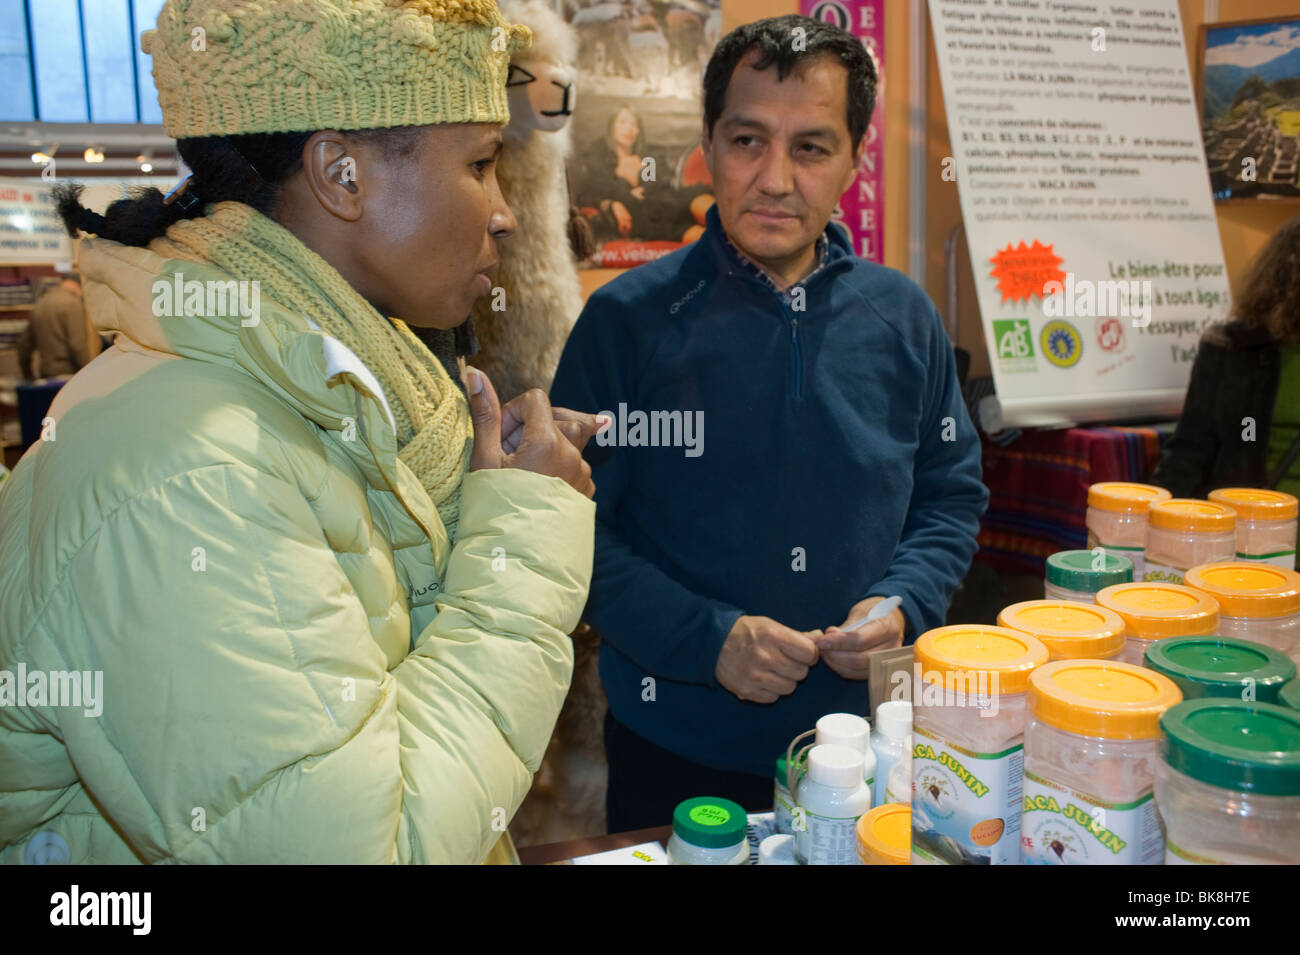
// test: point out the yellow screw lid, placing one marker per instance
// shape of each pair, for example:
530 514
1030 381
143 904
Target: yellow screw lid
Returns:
1069 629
1103 698
1187 514
885 835
1153 611
1125 496
984 659
1257 504
1248 590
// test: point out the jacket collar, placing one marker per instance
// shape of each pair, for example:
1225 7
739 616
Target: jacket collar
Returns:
839 255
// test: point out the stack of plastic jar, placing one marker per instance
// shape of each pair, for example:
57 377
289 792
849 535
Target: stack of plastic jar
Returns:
968 744
1117 518
1154 612
1070 630
885 835
1266 524
1091 747
709 830
1079 574
1228 783
1182 533
1257 602
1221 667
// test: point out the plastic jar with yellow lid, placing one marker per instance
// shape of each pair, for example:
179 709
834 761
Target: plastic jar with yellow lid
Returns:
967 743
1071 630
1092 742
1182 532
1257 602
1153 612
1266 523
1117 518
885 835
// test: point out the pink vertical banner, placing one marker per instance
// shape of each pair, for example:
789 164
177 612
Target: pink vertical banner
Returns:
862 209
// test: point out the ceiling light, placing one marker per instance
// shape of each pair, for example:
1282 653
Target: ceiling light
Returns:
93 155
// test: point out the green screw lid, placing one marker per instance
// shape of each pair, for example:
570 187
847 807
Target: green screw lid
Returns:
710 822
1084 571
1249 747
1221 666
1290 695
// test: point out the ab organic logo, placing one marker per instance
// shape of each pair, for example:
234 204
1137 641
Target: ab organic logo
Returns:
1015 344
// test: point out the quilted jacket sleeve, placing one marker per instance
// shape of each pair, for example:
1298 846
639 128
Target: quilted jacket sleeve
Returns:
248 715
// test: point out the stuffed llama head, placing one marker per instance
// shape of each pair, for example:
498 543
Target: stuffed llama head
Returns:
542 85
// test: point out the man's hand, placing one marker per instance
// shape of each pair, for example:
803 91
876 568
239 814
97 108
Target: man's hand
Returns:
845 651
762 660
544 445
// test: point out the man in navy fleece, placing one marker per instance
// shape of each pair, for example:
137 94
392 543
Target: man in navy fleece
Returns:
839 465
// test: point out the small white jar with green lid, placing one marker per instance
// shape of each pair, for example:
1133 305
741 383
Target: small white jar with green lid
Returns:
709 830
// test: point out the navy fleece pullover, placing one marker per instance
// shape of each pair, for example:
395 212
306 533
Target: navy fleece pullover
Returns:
836 461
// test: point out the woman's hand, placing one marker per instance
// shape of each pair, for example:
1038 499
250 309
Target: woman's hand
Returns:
623 216
528 434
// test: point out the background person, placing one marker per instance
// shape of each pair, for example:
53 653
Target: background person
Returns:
1240 425
56 331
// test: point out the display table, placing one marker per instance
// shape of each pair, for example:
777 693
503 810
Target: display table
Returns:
571 849
1038 489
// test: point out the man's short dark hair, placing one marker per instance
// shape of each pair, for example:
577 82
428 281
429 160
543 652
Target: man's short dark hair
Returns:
774 38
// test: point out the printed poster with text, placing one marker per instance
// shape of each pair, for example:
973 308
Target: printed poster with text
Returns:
1081 174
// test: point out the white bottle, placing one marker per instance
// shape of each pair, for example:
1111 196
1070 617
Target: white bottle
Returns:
830 800
845 729
776 849
898 786
888 741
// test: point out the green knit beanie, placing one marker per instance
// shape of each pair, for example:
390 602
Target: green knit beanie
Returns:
226 67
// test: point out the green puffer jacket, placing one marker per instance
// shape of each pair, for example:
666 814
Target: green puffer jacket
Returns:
218 527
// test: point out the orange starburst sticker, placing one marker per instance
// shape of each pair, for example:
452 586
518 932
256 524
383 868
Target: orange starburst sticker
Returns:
1022 271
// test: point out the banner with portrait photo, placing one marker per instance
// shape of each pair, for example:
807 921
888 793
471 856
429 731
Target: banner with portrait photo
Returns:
637 171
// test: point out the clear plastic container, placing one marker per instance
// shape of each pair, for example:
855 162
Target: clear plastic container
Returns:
709 830
1228 783
1091 748
1257 602
1266 524
967 744
1182 532
1070 630
1117 518
1079 574
1154 612
890 739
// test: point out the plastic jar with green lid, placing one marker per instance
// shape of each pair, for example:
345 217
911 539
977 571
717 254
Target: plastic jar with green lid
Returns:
968 742
1290 695
1069 629
1182 532
1091 747
1079 574
709 830
1154 612
1228 783
1257 602
1221 667
1117 518
1266 523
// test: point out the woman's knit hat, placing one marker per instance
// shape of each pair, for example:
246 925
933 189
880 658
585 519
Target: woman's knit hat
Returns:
226 67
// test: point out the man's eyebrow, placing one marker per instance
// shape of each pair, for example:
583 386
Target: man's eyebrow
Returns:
750 122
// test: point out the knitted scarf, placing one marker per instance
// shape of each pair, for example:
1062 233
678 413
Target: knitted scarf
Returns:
434 433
